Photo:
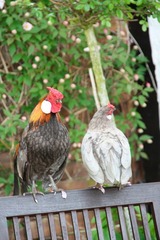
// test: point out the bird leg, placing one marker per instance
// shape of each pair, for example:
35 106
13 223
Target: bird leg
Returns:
100 187
128 184
55 189
34 192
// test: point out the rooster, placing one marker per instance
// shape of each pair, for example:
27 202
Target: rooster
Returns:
105 151
43 149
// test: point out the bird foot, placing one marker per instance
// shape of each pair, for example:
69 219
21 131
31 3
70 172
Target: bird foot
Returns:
100 187
34 195
128 184
55 189
63 193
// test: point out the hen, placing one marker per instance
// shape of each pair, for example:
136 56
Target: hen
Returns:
105 151
43 149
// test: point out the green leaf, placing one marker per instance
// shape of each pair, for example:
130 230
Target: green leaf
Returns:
26 37
16 58
119 13
12 49
31 50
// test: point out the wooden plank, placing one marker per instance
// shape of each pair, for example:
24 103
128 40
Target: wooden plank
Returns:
145 221
40 227
122 222
52 226
98 223
63 225
156 217
78 200
133 222
87 224
3 229
75 225
110 223
28 227
16 228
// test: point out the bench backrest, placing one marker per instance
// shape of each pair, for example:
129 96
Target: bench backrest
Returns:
130 213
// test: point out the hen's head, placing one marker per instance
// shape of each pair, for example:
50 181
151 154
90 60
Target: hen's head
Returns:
52 102
110 109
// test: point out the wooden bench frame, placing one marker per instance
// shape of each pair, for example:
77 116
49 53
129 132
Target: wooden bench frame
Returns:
83 200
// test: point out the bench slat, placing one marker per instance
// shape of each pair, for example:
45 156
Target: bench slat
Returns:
75 225
98 223
40 226
87 224
145 221
122 222
63 225
110 223
52 226
28 227
134 222
16 228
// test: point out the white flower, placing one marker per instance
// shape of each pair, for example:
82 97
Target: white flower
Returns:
136 103
136 77
49 23
140 130
73 85
4 11
2 2
67 75
13 3
45 47
4 96
23 118
141 146
19 68
78 40
109 37
144 105
73 37
37 58
74 145
122 70
27 26
45 81
14 31
133 114
61 80
34 65
134 59
150 141
27 14
67 119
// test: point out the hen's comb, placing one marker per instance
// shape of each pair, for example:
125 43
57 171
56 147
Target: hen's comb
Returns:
55 92
109 105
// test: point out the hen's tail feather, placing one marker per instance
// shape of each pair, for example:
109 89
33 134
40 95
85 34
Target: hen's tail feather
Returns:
16 182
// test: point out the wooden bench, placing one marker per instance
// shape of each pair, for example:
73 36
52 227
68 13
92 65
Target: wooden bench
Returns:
85 214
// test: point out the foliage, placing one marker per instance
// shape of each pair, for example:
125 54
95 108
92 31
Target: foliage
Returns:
6 180
43 56
51 53
117 225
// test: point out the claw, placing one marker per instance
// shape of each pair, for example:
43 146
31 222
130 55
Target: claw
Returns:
55 189
100 187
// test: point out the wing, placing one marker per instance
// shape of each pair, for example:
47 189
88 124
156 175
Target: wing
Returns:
126 171
113 154
22 155
89 160
107 156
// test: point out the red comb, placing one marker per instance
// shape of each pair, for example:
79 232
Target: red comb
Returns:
110 105
55 92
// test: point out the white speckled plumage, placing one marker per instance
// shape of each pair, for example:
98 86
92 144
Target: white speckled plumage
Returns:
106 151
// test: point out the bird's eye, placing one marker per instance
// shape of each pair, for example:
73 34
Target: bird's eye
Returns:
59 101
